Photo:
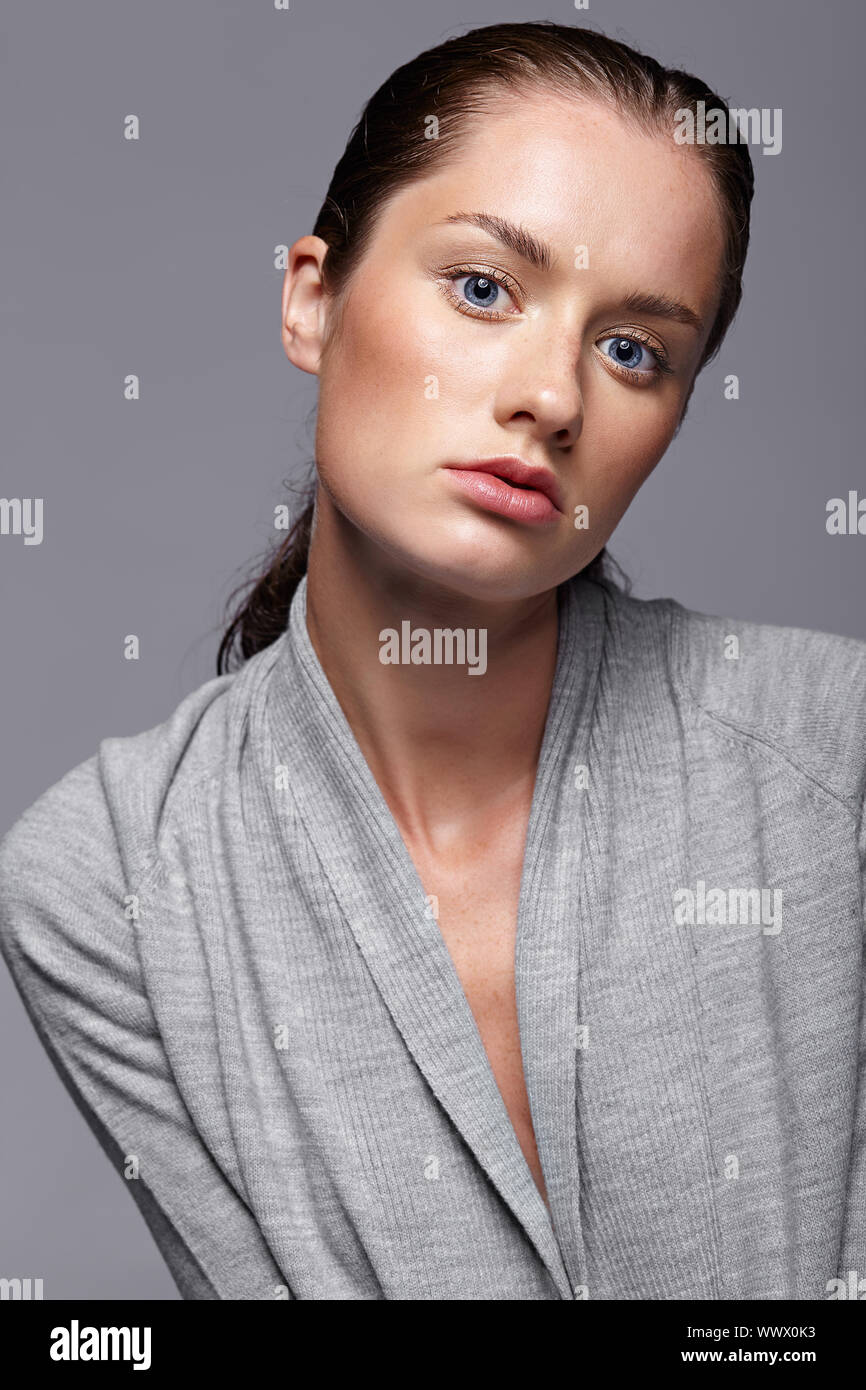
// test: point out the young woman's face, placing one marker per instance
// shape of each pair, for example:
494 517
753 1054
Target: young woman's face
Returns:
454 347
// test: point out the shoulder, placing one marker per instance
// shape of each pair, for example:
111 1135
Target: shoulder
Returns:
795 690
95 832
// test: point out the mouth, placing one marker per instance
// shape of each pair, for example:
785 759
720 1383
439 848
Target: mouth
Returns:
510 487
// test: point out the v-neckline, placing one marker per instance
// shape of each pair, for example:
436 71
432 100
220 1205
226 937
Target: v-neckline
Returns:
383 901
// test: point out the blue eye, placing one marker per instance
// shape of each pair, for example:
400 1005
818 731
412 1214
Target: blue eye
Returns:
629 353
480 291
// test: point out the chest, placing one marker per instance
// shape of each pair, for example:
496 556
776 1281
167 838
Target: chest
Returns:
681 1073
477 918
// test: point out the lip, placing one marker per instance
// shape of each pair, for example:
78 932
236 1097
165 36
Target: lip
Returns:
511 487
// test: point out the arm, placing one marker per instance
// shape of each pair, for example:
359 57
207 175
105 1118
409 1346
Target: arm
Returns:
70 944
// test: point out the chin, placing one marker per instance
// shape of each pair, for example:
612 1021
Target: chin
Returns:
485 569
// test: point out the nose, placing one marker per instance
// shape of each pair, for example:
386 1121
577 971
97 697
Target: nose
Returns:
540 392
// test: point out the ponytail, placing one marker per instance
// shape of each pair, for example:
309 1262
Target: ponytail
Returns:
261 618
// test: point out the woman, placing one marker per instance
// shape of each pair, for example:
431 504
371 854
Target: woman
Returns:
488 933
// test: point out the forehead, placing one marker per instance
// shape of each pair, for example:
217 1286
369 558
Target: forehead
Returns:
575 173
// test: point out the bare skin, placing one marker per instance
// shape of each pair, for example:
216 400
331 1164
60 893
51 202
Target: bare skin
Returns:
455 755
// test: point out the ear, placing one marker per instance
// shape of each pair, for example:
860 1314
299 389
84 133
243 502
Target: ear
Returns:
304 307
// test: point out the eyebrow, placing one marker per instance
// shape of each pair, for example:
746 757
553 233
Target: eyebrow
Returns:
520 241
539 254
661 306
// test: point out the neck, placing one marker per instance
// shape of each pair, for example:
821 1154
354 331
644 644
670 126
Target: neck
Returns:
447 747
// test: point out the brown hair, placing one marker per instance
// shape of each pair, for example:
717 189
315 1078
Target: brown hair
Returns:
387 151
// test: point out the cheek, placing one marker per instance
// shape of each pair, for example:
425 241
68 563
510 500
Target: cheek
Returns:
623 441
401 358
376 412
382 362
645 439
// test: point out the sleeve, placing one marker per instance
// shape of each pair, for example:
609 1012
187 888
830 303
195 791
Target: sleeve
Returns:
70 946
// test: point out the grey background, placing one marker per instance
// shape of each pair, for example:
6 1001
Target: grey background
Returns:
156 257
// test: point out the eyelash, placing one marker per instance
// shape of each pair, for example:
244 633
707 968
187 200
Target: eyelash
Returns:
498 277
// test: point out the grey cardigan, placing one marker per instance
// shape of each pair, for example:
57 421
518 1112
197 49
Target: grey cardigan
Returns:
221 939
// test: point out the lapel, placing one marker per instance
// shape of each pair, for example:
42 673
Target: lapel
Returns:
382 899
559 861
